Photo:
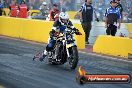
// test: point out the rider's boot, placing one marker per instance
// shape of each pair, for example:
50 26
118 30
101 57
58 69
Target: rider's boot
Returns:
44 54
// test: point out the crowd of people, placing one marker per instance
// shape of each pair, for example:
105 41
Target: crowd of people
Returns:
22 10
74 5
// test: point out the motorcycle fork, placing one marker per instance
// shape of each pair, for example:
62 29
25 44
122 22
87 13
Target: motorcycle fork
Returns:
68 54
57 51
67 50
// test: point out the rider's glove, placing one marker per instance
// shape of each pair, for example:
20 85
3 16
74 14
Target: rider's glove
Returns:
52 33
77 31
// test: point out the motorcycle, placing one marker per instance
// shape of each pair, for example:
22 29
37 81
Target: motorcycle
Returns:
65 50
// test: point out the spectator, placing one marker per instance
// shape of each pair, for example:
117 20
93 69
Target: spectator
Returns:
36 4
6 3
44 8
69 4
13 9
119 6
30 4
23 10
86 16
54 14
1 8
44 11
112 16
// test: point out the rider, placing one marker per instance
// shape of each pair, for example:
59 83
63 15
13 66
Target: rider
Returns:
44 11
119 6
59 26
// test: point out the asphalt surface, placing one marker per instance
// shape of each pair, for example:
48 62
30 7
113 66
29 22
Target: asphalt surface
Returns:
17 70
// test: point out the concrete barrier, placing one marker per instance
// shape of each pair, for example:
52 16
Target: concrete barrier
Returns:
10 27
116 46
35 30
129 27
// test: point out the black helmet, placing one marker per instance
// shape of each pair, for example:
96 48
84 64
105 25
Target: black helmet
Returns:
90 1
55 5
113 1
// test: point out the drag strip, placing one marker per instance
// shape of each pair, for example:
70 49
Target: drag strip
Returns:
17 70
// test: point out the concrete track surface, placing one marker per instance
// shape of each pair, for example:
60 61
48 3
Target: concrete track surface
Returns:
17 70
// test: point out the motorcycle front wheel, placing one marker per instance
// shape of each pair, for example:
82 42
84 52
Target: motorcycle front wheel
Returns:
73 60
